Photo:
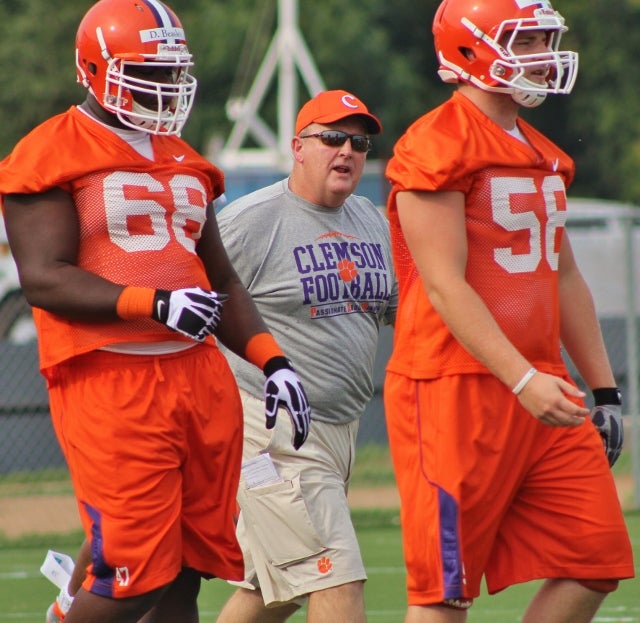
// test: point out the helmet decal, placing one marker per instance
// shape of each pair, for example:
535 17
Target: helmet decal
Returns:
544 4
168 29
171 36
162 15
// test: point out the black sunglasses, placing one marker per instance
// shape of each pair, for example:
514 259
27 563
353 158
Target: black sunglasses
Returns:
336 138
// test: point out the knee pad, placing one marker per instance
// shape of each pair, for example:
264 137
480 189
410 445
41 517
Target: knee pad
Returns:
600 586
458 603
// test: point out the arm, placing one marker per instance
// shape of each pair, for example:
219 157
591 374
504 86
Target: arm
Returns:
579 326
435 231
243 331
241 319
582 338
43 234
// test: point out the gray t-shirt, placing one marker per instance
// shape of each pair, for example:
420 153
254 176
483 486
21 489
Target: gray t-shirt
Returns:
323 281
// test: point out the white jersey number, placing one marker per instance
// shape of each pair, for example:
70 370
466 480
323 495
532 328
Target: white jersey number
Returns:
501 189
163 222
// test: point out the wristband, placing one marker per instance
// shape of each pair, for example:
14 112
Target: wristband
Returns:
260 348
519 386
276 363
606 396
135 302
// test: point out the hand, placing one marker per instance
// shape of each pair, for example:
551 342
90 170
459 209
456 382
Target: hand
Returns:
608 420
552 400
283 388
194 312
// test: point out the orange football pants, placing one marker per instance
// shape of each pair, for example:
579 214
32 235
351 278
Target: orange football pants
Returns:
154 447
486 489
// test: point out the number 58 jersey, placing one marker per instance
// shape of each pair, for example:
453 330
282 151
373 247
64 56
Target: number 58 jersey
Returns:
139 219
515 210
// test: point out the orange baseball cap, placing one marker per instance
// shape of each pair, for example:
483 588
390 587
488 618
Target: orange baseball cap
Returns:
330 106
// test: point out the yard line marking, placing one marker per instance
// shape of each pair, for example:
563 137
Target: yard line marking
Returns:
17 575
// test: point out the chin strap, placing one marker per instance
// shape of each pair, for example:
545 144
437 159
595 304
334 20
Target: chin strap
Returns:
528 99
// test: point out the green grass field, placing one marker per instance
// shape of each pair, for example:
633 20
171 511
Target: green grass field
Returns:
25 595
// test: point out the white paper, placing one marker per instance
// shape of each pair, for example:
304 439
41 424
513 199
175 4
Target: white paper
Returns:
57 568
260 471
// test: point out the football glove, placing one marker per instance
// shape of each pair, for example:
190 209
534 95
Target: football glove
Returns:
194 312
284 389
607 418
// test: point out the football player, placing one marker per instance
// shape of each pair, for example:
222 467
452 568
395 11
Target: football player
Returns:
500 469
110 220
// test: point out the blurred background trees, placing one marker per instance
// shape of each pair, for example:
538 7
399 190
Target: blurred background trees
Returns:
380 50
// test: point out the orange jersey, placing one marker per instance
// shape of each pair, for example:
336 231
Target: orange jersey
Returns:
515 203
139 220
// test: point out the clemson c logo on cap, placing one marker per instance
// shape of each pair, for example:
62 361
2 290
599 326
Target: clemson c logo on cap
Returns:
347 100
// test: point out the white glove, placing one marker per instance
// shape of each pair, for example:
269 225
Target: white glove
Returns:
283 388
194 312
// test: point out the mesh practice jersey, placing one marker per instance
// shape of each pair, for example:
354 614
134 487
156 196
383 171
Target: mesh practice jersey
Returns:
139 219
515 209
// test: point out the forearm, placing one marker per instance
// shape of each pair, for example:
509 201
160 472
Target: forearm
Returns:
240 320
43 232
71 292
473 325
581 335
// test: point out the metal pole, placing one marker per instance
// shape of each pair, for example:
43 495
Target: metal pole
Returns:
287 53
288 92
633 367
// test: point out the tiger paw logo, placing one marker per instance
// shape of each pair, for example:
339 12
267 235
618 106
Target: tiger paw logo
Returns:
348 271
122 576
324 565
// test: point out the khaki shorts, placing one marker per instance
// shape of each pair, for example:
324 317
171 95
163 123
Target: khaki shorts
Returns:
296 535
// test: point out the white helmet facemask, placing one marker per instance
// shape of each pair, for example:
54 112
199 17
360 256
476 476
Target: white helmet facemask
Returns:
173 100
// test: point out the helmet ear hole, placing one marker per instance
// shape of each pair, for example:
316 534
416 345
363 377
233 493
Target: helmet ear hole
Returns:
93 69
468 53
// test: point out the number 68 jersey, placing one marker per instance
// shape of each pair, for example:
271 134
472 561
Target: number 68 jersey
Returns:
139 219
515 211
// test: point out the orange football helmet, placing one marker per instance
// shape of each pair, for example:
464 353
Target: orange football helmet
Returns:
132 55
488 29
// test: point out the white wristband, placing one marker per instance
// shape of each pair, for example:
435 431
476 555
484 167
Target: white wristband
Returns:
519 386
